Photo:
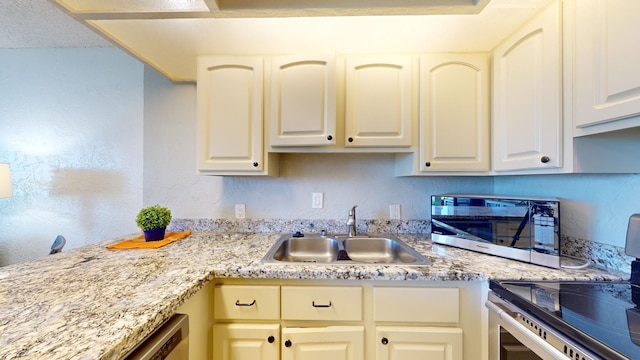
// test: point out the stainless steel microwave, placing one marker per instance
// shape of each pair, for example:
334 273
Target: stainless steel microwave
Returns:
525 229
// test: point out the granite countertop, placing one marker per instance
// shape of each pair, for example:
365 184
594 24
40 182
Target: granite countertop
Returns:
94 303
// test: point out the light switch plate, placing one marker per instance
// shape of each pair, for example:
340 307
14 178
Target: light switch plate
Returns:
240 211
317 200
394 212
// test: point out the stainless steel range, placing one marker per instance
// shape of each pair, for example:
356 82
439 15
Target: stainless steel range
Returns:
568 319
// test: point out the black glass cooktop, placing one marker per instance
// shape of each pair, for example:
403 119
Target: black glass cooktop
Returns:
602 316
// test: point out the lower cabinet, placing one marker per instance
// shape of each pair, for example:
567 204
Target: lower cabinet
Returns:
246 341
323 343
418 343
360 320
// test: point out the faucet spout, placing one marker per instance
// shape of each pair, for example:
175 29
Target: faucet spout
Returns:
351 222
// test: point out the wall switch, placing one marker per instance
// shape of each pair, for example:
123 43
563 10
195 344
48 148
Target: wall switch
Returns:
240 211
394 212
317 200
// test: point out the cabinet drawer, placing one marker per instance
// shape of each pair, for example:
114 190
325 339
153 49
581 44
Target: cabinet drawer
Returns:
246 302
429 305
321 303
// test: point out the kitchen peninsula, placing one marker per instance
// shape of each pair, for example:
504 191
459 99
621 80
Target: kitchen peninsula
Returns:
94 303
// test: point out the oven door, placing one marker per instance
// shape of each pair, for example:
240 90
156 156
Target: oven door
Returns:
513 336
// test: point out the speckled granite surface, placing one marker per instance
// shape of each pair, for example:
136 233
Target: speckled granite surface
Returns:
601 255
94 303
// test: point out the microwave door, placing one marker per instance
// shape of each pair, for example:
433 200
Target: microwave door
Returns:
458 232
523 223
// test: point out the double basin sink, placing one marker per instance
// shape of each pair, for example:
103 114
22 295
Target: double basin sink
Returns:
340 249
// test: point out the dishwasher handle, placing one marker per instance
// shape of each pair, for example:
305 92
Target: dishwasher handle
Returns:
162 341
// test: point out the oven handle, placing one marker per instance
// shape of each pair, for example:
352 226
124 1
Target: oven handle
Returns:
510 320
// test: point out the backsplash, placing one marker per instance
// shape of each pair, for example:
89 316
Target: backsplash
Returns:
302 225
601 255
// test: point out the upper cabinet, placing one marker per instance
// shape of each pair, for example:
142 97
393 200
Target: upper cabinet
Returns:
379 101
454 112
229 125
303 101
604 43
527 120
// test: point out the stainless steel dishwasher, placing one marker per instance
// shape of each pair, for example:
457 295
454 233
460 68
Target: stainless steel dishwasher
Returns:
169 342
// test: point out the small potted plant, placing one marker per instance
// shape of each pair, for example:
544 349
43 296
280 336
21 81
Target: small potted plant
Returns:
153 221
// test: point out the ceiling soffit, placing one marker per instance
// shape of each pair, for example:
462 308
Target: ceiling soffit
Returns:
169 35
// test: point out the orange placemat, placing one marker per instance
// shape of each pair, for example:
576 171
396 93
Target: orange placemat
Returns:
139 243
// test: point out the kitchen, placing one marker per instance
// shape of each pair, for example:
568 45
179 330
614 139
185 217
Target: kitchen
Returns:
87 179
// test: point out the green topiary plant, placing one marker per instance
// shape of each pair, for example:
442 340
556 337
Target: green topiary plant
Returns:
153 217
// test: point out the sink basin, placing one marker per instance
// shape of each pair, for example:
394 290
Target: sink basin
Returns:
379 250
360 250
302 249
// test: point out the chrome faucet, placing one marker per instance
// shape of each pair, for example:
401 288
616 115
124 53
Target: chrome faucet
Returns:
351 222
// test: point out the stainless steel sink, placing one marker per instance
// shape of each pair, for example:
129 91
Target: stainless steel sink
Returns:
300 249
359 250
379 250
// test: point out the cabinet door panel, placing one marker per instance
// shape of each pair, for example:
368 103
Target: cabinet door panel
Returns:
246 302
407 304
526 103
454 112
607 81
331 342
246 342
303 101
321 303
378 101
229 130
418 343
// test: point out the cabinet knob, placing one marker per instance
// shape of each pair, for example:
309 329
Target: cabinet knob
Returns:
427 164
350 139
271 339
545 159
384 341
329 137
287 343
255 164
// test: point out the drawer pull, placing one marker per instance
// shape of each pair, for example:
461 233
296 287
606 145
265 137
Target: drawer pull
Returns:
238 303
320 305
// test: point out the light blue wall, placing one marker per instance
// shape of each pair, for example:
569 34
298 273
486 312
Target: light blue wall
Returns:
71 130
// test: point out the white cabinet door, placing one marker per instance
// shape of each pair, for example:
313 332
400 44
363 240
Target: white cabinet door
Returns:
229 102
303 101
379 101
418 343
606 39
246 341
526 96
454 112
322 343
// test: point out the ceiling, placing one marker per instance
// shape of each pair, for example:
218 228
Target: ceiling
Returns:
39 24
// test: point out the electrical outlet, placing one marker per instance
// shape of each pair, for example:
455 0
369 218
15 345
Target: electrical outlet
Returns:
394 212
317 200
240 211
